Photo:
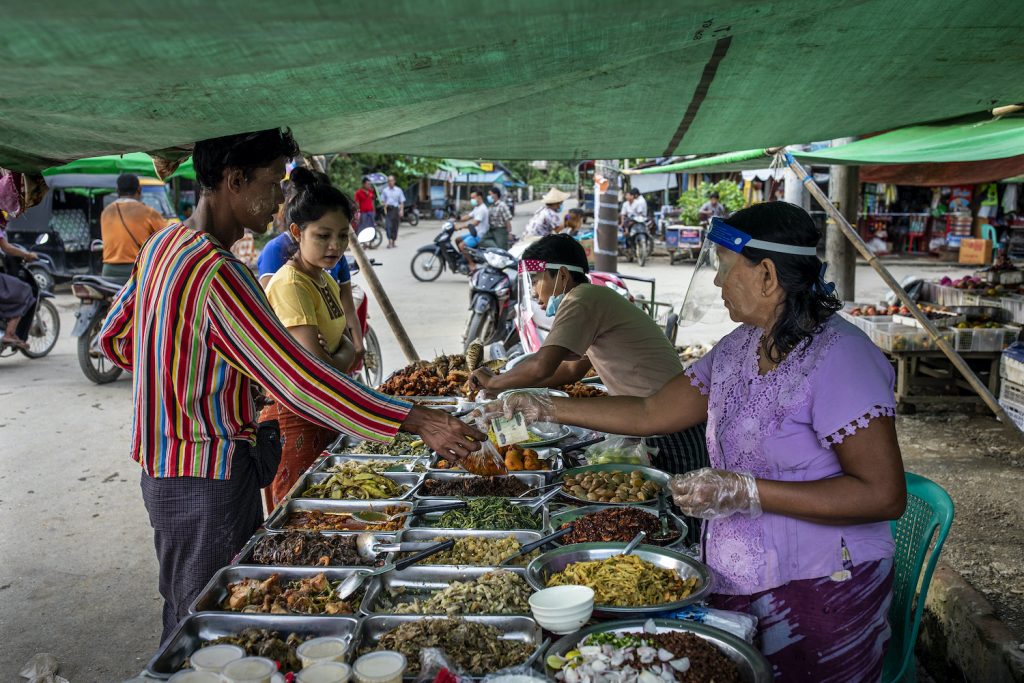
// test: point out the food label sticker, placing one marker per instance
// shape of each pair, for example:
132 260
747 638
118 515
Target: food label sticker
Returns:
509 431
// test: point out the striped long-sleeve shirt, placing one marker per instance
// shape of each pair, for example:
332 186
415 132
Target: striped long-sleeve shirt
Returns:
195 328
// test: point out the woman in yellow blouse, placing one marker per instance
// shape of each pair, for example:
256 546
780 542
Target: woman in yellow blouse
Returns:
308 302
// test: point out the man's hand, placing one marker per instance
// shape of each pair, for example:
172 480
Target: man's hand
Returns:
31 256
447 435
482 379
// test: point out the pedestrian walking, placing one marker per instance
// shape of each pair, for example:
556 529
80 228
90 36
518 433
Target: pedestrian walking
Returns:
366 200
499 219
394 209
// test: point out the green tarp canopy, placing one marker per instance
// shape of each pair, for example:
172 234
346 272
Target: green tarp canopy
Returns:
538 79
113 164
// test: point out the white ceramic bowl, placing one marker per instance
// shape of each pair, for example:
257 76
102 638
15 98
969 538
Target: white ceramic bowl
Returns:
562 609
564 614
563 626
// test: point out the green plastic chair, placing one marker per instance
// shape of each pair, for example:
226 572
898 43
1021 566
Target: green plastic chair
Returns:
929 514
989 233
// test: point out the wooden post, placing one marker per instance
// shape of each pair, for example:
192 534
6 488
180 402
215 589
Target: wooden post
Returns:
606 217
374 285
843 192
959 363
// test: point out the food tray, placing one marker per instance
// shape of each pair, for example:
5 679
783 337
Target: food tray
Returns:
554 561
406 479
328 461
421 580
214 593
280 516
569 514
198 628
423 535
530 480
344 443
753 667
420 521
552 455
656 475
985 339
244 556
511 627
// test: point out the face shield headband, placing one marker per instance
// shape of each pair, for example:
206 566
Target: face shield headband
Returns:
734 239
529 313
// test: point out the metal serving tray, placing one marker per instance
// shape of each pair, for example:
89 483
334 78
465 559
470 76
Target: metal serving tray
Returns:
421 521
406 479
569 514
216 591
328 461
280 516
655 475
245 555
196 629
419 581
423 535
752 665
511 627
531 481
344 444
551 455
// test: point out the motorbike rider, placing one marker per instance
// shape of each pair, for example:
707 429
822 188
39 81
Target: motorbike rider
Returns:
634 209
16 298
125 226
595 327
477 222
712 208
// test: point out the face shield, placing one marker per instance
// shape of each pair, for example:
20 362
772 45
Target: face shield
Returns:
532 320
721 251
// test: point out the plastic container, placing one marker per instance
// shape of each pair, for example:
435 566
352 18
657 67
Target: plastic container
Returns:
215 657
1011 369
985 339
325 672
380 667
249 670
193 676
326 649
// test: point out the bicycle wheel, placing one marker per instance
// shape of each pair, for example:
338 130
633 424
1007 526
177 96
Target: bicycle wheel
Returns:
372 372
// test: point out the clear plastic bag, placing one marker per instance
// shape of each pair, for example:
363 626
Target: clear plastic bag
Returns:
621 450
435 668
740 624
42 668
487 461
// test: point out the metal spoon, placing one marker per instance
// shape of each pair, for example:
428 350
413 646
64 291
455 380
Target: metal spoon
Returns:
530 547
369 548
631 546
356 579
374 517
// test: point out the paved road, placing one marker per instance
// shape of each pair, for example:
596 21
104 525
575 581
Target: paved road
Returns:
78 575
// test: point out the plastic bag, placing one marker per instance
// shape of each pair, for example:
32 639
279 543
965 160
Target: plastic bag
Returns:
621 450
487 461
435 668
740 624
42 668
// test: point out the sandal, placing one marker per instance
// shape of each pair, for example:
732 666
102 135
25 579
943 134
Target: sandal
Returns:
14 342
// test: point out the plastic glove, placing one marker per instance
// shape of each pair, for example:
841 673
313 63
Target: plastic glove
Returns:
710 494
535 406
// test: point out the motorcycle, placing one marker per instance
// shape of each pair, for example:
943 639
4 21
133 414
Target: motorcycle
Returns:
40 326
95 295
411 216
371 371
635 241
493 293
431 260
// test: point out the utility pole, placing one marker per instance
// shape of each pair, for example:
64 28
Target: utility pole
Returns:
606 215
844 193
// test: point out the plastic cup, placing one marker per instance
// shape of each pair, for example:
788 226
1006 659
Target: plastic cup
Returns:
325 672
193 676
215 657
380 667
317 650
249 670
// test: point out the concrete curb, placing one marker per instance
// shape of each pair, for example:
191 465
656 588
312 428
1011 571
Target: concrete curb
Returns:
962 639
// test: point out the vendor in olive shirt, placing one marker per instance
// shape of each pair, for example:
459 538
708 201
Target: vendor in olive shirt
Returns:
597 327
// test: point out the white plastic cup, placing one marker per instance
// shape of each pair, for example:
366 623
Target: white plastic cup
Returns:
193 676
385 666
325 672
318 650
215 657
249 670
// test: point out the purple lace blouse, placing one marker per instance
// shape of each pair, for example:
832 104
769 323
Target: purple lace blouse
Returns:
782 426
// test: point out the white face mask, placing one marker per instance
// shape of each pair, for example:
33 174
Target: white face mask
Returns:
473 201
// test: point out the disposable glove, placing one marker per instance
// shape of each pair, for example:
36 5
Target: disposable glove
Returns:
709 494
535 406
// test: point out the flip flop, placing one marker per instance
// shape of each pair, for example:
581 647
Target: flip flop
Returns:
14 343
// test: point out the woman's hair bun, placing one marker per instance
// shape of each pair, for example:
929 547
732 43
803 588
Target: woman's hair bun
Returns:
303 178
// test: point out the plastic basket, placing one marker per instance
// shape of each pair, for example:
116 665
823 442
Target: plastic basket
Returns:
1012 392
1011 370
896 338
984 339
1015 412
866 322
1014 305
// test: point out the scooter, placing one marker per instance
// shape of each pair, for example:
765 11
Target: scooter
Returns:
431 260
40 326
493 292
371 370
635 241
95 295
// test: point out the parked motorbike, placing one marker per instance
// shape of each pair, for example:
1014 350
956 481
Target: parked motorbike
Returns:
95 295
636 242
371 371
40 326
431 260
411 216
493 293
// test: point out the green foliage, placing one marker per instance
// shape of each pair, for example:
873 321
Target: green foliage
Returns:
347 170
691 200
557 173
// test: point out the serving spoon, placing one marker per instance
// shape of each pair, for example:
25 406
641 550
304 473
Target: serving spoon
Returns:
351 584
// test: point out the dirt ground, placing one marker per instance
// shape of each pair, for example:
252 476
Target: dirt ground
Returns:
982 468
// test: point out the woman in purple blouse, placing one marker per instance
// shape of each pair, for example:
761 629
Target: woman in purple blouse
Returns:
806 469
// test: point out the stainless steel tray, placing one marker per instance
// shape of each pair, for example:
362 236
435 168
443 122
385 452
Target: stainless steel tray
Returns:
554 561
651 473
281 514
419 581
511 627
421 521
422 535
753 667
560 517
326 462
551 455
245 554
407 480
345 444
213 595
196 629
531 481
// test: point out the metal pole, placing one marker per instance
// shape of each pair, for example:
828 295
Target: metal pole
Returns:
843 193
606 217
959 363
374 285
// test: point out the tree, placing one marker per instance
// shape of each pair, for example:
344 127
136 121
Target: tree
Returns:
690 201
347 170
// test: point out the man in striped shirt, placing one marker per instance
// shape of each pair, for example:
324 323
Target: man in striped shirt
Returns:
194 327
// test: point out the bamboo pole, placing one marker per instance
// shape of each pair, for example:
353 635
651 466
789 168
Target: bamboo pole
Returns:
374 285
958 362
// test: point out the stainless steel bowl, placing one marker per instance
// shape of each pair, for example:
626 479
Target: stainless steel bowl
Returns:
655 475
569 514
752 665
542 568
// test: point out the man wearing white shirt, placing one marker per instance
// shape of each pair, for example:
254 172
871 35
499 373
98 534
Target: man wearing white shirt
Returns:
478 223
394 208
634 209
